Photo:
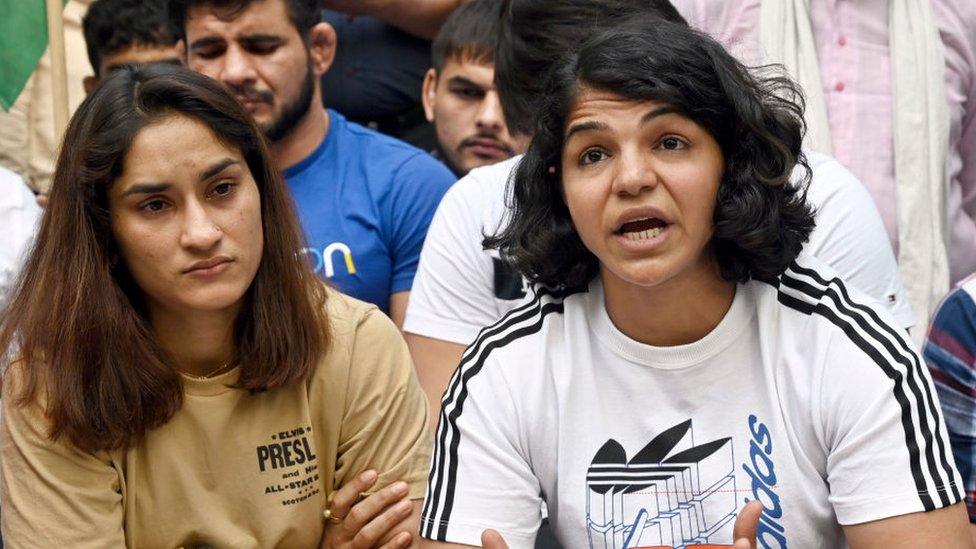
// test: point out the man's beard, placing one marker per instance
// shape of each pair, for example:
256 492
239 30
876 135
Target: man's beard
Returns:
293 113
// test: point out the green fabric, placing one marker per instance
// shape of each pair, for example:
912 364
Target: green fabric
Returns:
23 39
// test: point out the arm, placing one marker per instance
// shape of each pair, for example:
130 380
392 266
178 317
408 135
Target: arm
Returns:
744 532
54 495
398 307
436 362
421 18
945 528
386 519
384 424
884 470
953 328
480 475
417 188
452 296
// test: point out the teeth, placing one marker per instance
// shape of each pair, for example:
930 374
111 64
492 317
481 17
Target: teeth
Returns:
644 235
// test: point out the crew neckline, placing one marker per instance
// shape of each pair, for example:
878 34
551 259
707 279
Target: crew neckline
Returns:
212 385
739 316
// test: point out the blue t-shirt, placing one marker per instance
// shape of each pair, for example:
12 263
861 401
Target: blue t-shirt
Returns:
365 201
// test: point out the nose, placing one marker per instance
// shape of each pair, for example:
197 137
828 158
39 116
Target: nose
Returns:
490 117
201 232
635 172
237 69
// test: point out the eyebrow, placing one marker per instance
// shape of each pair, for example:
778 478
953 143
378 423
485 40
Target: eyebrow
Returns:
593 125
206 41
153 188
464 81
217 167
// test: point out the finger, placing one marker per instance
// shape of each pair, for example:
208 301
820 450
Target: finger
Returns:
381 526
348 495
746 525
368 509
399 541
491 539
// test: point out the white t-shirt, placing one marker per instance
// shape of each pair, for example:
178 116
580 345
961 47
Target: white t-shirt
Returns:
806 396
19 217
460 288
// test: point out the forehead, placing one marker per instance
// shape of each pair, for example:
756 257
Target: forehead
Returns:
591 103
139 54
481 73
169 149
259 17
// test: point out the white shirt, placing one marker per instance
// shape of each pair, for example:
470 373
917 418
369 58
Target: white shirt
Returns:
806 396
460 288
19 217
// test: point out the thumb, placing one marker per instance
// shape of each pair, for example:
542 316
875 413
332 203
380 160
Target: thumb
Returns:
491 539
746 524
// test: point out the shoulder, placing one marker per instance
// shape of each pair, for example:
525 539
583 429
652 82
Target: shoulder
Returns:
15 195
812 293
480 195
952 334
386 153
831 180
524 332
351 319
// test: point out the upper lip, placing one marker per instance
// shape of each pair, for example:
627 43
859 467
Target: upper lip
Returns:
208 263
633 214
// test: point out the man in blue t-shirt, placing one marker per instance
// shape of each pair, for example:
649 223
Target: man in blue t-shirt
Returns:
365 199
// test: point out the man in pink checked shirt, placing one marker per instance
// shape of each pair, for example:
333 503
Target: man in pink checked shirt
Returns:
852 40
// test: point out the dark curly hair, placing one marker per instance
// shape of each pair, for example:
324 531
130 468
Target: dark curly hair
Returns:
761 219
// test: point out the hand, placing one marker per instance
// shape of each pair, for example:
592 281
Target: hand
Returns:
491 539
356 523
743 532
746 524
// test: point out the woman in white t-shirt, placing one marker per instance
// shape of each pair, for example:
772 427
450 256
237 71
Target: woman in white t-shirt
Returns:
680 356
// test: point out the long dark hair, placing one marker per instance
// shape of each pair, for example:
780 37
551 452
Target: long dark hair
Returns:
78 319
761 219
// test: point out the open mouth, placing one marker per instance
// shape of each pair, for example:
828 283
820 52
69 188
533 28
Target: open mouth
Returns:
642 229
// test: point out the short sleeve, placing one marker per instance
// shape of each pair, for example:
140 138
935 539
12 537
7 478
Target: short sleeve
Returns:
419 184
887 449
54 495
480 476
850 237
384 425
950 352
452 296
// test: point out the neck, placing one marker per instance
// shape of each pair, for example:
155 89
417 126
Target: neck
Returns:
664 315
304 138
198 342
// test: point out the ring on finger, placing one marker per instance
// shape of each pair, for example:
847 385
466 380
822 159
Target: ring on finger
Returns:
327 515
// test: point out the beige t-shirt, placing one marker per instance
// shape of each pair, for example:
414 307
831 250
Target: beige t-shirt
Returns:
230 469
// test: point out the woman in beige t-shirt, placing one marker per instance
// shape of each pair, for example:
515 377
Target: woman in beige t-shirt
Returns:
184 379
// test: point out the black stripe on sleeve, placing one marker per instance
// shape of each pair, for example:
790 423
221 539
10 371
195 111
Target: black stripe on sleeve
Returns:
917 381
443 475
868 332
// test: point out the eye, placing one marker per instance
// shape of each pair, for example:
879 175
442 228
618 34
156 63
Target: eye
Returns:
469 93
591 156
209 53
671 143
154 205
222 190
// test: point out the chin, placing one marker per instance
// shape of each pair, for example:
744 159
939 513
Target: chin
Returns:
213 299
